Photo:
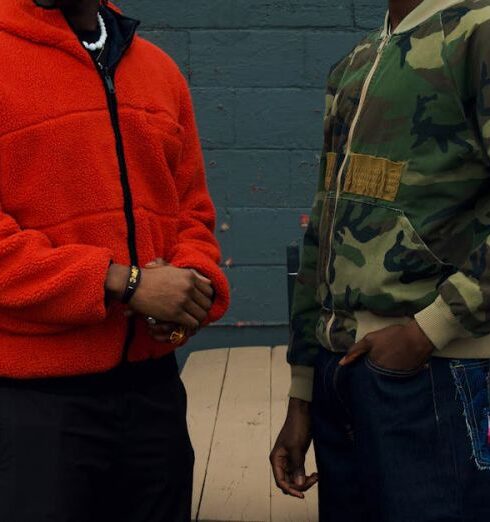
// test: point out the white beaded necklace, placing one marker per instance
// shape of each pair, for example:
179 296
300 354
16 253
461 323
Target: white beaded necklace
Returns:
100 43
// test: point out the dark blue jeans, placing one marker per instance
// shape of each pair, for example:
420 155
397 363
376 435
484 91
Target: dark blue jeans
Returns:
402 447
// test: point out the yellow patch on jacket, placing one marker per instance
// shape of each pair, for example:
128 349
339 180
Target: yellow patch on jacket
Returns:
373 177
330 169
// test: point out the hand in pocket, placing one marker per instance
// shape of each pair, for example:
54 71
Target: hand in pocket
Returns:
401 348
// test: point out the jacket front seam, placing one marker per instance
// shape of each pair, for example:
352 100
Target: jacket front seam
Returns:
363 97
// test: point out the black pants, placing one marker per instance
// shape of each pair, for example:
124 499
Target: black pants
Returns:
113 447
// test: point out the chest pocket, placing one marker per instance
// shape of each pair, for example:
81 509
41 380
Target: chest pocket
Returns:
170 136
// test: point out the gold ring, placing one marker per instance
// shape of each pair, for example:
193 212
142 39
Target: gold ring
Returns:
177 336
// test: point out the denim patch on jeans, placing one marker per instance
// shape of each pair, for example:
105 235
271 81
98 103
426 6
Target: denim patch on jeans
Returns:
473 384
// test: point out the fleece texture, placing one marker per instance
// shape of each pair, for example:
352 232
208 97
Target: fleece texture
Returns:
62 215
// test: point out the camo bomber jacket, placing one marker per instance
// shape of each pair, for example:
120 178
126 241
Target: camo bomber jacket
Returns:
400 225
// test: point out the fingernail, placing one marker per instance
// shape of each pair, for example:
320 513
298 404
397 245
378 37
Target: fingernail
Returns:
343 361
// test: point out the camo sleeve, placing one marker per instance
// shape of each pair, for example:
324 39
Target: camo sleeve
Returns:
462 308
303 345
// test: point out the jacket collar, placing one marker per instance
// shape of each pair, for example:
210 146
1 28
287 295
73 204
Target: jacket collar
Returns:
48 27
419 15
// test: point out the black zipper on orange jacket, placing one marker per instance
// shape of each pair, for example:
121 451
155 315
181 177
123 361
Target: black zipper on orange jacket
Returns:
107 75
110 89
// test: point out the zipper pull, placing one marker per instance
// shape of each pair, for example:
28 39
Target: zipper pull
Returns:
109 81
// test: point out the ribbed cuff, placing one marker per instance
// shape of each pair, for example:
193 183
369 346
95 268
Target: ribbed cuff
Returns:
439 324
302 383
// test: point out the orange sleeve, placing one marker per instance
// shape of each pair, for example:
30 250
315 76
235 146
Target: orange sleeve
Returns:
197 246
46 289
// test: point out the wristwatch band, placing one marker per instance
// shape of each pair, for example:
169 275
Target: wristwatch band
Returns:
134 280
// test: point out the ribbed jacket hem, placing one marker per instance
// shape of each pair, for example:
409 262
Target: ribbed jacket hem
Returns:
463 347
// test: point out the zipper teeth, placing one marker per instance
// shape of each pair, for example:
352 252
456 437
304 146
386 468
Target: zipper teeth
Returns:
350 138
110 91
109 88
128 199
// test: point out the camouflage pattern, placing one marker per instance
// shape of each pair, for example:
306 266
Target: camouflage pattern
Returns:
402 212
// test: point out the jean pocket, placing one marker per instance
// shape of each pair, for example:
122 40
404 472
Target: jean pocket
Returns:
394 374
472 382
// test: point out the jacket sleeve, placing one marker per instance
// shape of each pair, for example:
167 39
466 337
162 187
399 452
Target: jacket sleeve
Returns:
462 308
197 246
47 289
303 343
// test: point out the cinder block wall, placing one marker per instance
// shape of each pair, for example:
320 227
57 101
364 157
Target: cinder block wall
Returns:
257 69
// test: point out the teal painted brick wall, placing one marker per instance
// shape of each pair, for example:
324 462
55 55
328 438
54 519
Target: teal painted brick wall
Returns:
257 69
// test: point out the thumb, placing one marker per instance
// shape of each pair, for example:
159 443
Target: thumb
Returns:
297 470
356 351
201 277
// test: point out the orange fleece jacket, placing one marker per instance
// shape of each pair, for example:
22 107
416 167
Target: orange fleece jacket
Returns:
62 218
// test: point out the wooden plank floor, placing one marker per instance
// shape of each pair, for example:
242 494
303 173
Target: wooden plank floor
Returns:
237 404
203 377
